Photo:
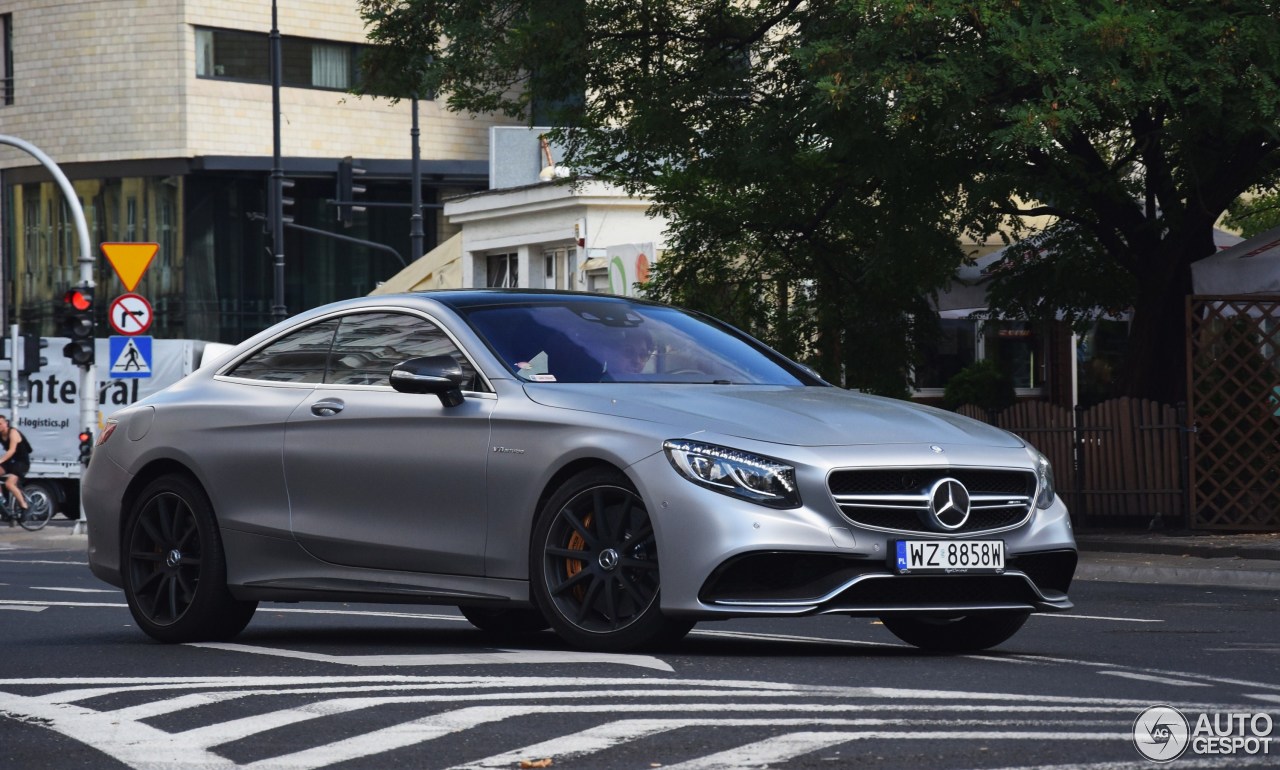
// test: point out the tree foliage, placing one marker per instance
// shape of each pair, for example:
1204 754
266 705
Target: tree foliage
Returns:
819 160
1255 213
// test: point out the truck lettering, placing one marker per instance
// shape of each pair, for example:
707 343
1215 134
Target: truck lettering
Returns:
53 391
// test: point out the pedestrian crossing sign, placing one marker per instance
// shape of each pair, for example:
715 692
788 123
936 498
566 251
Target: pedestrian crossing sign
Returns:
130 356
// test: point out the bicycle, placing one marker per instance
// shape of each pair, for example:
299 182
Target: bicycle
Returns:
30 519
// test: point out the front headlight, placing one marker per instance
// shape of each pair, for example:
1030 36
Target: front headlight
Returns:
761 480
1045 472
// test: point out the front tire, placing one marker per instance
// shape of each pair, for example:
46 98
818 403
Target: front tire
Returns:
175 573
968 633
42 499
594 566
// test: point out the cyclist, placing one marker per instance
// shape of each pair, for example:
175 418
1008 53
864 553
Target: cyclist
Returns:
15 462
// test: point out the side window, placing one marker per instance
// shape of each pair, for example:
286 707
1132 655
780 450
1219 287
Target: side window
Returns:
297 357
368 345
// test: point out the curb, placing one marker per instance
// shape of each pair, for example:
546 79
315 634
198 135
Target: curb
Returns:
1166 548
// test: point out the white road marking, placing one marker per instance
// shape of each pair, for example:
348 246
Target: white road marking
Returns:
66 604
611 734
1153 671
791 638
503 657
1157 679
263 610
1073 616
21 608
1183 762
45 561
123 735
77 590
779 749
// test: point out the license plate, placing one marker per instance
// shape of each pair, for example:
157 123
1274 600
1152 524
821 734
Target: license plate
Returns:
950 556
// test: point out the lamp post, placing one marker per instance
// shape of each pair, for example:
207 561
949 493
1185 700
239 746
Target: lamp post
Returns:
276 204
415 217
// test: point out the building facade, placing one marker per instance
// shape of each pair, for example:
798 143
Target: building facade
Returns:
160 113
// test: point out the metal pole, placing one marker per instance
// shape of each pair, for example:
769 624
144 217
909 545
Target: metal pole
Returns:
88 374
415 218
276 208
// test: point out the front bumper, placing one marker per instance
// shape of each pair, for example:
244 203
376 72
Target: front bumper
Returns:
723 557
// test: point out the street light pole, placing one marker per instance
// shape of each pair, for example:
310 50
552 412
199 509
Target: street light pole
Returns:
276 204
415 217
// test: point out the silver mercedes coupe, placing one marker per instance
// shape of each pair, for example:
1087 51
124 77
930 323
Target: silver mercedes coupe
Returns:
613 469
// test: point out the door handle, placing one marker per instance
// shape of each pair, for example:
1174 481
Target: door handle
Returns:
327 408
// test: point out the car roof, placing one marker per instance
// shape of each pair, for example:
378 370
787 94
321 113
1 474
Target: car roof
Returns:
463 299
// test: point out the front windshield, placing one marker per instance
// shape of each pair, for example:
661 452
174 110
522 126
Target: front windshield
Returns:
611 341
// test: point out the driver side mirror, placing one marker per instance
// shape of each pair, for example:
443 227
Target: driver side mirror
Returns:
440 375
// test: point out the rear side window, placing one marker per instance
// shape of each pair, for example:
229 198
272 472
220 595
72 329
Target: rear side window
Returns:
368 345
300 356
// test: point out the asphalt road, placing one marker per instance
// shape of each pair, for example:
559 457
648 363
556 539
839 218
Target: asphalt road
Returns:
316 685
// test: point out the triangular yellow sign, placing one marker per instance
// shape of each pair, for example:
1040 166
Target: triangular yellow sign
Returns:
130 260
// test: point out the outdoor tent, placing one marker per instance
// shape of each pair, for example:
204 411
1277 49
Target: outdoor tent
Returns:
967 293
440 268
1250 267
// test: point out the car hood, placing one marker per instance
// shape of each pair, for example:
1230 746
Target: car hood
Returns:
797 416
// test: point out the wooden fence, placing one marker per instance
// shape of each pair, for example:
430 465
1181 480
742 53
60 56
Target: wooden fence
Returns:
1233 380
1123 459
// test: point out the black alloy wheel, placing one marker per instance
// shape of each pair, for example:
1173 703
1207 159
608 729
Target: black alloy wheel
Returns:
595 566
174 570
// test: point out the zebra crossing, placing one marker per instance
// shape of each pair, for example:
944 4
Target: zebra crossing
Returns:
456 722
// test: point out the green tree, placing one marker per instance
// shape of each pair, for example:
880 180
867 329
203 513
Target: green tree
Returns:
1256 213
820 159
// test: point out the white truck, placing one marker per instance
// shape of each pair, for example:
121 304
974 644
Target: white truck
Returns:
47 409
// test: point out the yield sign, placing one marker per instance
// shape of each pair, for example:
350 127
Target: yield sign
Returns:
130 260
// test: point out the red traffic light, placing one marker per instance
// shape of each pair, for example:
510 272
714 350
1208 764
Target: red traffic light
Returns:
85 437
79 299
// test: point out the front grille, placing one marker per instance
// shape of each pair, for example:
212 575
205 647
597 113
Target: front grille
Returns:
897 499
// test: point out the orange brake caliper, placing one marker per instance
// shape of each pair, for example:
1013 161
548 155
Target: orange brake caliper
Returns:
573 566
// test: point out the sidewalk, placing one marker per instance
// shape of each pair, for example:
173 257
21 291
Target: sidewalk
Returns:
1168 557
1180 558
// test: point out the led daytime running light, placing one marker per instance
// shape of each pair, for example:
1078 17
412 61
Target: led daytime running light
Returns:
733 472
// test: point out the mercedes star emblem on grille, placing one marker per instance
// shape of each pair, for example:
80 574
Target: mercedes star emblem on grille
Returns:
949 504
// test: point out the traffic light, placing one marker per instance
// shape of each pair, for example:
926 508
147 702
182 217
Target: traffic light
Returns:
32 361
347 190
77 323
86 446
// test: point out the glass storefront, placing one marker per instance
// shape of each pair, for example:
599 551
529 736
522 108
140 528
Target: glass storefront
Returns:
212 277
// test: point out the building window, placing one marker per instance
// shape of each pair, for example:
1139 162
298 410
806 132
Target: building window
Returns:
1017 349
228 54
956 348
1015 346
559 268
6 57
502 271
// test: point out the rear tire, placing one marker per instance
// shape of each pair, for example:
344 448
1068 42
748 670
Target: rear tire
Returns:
968 633
174 569
593 566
